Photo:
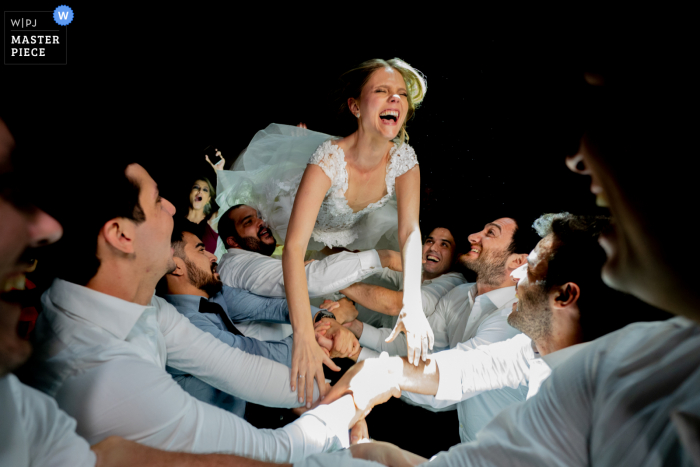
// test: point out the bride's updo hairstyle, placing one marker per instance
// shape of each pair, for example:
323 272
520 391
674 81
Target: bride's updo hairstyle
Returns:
352 82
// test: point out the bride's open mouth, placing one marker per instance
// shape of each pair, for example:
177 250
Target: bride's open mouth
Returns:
389 117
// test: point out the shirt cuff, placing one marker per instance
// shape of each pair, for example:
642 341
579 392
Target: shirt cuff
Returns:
366 353
370 336
336 417
450 384
369 260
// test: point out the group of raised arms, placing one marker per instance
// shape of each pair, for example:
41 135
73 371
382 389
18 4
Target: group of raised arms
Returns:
296 294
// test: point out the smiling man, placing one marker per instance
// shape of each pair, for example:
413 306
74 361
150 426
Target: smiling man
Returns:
439 254
471 314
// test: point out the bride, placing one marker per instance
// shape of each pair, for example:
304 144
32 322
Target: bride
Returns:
343 198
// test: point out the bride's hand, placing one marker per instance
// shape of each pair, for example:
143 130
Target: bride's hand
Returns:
419 334
308 359
219 165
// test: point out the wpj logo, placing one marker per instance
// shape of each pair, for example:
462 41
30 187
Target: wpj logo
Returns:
37 37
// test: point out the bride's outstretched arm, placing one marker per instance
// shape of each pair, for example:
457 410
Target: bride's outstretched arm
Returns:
412 320
307 356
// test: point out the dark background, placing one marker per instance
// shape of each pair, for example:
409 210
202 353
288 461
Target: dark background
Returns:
500 114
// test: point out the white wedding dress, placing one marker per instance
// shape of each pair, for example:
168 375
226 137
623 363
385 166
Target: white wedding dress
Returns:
267 176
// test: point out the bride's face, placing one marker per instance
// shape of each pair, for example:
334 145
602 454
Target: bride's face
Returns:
383 103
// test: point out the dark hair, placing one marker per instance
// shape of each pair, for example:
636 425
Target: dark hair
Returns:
211 208
177 240
78 247
447 225
524 237
227 226
577 257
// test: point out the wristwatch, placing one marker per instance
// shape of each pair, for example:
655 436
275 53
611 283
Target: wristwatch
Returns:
323 314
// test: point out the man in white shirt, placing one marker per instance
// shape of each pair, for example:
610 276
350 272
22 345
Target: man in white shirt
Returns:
471 314
33 430
248 265
381 305
102 346
630 397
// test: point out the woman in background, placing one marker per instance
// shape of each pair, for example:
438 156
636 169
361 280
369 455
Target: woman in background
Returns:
203 207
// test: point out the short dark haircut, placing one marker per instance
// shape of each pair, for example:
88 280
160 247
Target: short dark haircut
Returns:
181 225
427 229
577 257
78 247
524 237
227 226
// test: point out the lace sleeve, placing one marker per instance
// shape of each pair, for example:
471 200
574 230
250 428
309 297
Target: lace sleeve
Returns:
403 160
330 161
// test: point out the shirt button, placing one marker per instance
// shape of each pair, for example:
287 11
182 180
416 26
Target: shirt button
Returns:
371 267
150 333
461 426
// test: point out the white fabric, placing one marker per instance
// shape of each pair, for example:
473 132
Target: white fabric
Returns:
103 359
629 398
461 319
267 177
262 275
35 432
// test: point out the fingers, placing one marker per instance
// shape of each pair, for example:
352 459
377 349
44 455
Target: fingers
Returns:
395 332
424 348
301 387
310 388
324 342
329 363
294 375
359 432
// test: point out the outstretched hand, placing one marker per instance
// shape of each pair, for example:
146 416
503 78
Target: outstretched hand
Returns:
308 359
219 165
419 334
371 382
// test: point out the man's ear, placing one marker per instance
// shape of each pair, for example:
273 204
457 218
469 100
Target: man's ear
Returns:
180 268
516 260
231 243
567 294
119 234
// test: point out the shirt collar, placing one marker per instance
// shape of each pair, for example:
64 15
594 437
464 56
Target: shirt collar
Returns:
239 251
498 297
192 301
110 313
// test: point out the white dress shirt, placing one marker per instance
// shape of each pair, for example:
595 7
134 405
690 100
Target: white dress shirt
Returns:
461 319
35 432
103 359
432 290
629 398
262 274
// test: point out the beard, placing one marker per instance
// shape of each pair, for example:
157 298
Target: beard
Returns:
203 280
490 267
257 245
533 316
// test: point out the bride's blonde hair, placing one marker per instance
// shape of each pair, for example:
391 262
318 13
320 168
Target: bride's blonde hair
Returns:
354 80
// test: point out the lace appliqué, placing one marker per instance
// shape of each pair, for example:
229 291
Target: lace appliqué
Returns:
336 224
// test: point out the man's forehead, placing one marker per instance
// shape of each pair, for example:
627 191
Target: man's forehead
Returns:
243 212
505 223
191 239
441 233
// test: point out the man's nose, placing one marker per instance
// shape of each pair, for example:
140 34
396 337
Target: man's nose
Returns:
474 238
212 256
577 164
43 229
169 206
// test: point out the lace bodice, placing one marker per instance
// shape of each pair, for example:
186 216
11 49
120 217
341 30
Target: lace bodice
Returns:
336 223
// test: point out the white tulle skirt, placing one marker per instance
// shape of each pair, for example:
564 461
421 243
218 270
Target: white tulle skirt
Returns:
267 174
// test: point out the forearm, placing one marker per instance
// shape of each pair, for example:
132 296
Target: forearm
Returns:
340 270
411 259
117 452
376 298
297 291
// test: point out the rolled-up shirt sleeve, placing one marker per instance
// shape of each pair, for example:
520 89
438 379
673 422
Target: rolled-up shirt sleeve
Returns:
465 372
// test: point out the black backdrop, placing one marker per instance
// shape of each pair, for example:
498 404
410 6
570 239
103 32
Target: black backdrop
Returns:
500 114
